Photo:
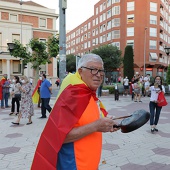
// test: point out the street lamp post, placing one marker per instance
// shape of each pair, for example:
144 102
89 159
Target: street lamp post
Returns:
144 60
62 39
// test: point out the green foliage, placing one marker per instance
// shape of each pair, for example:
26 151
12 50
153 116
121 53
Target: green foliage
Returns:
110 88
71 63
168 76
53 46
111 56
128 62
39 54
21 51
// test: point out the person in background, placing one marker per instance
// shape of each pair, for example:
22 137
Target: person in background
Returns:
137 90
126 86
146 85
16 95
45 93
1 94
27 107
74 133
155 110
57 82
5 92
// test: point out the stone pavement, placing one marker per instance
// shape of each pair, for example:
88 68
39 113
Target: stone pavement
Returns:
137 150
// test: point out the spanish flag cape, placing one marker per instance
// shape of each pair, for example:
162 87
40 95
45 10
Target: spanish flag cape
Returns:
1 84
35 95
72 100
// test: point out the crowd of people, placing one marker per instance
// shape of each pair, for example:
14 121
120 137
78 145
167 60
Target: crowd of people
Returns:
23 97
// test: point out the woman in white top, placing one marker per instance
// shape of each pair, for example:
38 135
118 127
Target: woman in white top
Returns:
155 110
15 93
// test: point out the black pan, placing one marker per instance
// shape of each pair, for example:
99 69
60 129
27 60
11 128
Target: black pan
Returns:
133 122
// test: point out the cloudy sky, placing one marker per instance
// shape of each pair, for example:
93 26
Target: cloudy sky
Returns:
77 10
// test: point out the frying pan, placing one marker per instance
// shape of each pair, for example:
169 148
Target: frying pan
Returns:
133 122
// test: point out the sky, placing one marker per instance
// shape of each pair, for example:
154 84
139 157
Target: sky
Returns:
77 11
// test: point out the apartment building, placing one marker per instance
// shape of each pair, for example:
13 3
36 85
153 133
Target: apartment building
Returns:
24 20
143 24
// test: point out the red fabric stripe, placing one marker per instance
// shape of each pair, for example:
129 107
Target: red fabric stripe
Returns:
62 119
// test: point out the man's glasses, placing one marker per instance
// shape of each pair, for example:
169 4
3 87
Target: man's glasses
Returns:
95 71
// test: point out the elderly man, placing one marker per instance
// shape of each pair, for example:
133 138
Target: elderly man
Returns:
72 138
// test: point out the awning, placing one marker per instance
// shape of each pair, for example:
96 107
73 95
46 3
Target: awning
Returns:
153 56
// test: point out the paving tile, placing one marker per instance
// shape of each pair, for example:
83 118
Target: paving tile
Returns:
137 150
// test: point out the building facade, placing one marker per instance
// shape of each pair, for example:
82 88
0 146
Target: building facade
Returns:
24 20
143 24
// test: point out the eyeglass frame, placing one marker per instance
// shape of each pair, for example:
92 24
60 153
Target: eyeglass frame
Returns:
98 70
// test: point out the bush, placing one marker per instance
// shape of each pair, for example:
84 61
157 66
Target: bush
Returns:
110 88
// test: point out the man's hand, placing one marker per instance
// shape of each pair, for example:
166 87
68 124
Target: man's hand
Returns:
106 125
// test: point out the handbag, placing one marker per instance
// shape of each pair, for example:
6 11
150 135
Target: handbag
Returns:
18 96
161 100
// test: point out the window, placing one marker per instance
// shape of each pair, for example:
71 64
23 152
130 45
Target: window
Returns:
42 22
115 1
101 8
0 42
130 42
152 44
15 37
109 36
16 66
130 6
97 11
108 25
108 3
96 31
104 16
89 24
153 7
0 66
153 32
153 57
13 17
117 44
153 19
116 22
108 13
116 34
116 10
130 19
130 31
101 18
96 21
101 39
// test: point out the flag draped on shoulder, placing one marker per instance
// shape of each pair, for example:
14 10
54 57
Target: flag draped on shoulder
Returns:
64 115
35 94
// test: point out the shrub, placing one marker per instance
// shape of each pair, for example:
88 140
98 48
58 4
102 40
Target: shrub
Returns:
110 88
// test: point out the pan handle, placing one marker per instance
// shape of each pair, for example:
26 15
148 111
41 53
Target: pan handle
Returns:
116 126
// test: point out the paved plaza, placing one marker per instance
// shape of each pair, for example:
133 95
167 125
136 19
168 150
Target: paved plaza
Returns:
137 150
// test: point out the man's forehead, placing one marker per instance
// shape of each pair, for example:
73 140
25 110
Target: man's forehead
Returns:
94 64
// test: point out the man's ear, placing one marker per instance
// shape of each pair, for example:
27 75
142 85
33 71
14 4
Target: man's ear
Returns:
79 70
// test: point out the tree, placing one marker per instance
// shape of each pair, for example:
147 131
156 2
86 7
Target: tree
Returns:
71 63
168 76
128 62
36 52
111 56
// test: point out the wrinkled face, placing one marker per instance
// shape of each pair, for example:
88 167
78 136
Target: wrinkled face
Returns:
92 74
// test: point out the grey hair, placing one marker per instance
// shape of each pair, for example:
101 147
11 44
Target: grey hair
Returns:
88 58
